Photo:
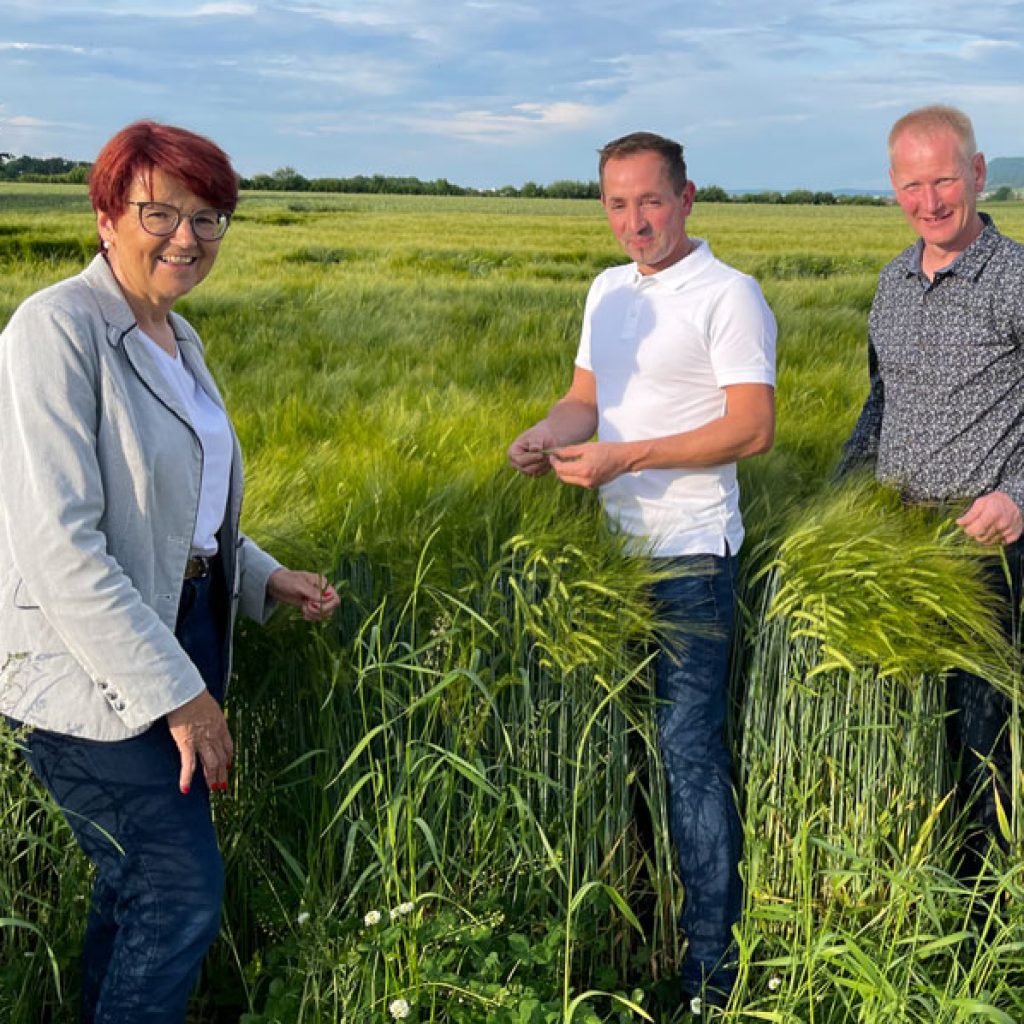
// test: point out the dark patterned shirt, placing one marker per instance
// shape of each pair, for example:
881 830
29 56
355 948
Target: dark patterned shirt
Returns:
944 419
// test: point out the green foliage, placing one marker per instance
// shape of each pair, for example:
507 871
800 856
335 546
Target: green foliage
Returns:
471 966
39 169
899 591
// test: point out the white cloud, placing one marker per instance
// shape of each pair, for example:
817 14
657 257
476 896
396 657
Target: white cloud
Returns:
507 11
63 9
528 119
442 26
27 121
53 47
225 9
365 77
983 49
22 133
364 16
23 121
219 9
563 114
983 98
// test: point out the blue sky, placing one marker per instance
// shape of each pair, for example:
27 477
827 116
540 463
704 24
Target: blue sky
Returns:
763 95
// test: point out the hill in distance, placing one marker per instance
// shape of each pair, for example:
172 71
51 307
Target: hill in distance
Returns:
1005 170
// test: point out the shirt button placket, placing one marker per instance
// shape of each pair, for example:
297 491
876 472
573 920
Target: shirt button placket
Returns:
632 317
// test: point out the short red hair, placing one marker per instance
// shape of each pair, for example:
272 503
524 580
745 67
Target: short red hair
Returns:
144 146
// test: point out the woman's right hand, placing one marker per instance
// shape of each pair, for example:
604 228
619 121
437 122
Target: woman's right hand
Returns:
200 730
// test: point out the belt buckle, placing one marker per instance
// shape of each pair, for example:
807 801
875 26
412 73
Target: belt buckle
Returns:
197 567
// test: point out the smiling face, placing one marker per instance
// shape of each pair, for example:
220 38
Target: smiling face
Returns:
154 272
646 215
937 188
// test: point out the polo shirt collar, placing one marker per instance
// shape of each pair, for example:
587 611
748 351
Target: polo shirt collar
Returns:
968 264
680 272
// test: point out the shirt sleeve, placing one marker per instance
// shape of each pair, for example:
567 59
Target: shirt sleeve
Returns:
254 572
861 448
741 335
583 356
1012 482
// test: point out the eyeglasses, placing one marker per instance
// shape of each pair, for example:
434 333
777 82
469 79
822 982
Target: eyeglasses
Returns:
162 219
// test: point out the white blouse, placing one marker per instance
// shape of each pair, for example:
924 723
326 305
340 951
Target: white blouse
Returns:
211 424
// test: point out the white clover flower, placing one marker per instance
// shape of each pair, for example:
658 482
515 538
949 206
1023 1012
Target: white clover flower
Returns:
401 910
399 1009
372 917
302 918
774 983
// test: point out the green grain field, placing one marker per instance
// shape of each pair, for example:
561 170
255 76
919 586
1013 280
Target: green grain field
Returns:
435 796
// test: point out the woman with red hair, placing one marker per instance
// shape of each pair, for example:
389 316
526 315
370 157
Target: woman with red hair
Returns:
122 566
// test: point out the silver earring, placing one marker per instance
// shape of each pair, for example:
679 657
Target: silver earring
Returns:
106 244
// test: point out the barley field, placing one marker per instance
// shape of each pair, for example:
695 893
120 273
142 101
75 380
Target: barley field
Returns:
446 804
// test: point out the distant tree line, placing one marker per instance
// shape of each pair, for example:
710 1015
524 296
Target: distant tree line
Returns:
803 196
42 169
287 179
56 169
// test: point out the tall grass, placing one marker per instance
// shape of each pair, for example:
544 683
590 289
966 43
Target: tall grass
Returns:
470 755
468 749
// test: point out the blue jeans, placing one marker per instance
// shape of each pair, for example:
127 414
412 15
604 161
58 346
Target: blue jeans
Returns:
159 876
692 672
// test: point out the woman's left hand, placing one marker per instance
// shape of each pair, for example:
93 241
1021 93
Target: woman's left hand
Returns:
308 591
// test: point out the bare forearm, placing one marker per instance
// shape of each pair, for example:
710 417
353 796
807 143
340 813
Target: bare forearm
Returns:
747 428
714 444
571 421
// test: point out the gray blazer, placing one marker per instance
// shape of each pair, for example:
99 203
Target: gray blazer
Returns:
99 492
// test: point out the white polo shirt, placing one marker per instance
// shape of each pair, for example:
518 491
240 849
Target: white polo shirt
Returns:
662 347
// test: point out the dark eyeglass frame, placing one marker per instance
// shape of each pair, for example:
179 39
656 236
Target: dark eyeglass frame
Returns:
222 217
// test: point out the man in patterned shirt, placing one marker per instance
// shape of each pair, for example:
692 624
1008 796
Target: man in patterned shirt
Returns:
944 419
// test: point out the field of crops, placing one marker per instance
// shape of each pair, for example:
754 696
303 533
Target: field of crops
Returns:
436 797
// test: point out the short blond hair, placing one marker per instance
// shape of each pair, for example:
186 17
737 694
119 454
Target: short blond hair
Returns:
930 121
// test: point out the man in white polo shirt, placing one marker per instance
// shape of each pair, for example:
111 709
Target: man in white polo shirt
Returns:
675 372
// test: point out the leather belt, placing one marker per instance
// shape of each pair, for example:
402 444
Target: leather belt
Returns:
197 567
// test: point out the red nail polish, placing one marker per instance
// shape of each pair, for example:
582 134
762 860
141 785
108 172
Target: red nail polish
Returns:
184 790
